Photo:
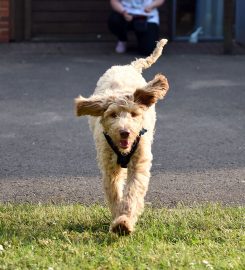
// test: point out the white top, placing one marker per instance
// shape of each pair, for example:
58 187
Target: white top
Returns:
136 7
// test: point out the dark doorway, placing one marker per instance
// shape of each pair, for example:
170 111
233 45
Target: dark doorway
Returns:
191 15
184 17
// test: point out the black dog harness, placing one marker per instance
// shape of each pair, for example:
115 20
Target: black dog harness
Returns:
123 159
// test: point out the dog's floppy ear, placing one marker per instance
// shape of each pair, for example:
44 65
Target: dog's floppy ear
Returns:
154 90
93 106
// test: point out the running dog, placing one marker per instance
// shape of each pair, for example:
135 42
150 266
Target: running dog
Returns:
122 119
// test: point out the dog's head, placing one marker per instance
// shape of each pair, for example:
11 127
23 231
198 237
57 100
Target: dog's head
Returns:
122 116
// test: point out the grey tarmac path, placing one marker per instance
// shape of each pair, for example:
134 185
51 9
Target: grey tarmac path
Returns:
48 155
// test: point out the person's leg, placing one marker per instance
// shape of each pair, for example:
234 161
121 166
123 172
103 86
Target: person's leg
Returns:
147 40
118 26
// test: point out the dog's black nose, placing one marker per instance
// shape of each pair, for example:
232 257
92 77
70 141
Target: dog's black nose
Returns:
124 133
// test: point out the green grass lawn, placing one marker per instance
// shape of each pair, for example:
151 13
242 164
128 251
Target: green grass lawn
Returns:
76 237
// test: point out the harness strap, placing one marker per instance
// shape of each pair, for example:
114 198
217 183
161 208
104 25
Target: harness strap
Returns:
123 159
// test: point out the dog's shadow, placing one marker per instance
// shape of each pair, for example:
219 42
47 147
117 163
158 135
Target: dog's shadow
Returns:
97 232
93 228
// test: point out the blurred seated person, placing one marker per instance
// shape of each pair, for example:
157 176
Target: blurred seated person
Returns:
142 17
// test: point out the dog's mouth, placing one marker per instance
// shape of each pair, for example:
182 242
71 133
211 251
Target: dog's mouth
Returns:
124 144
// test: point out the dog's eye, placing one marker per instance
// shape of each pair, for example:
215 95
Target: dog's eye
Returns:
134 114
113 115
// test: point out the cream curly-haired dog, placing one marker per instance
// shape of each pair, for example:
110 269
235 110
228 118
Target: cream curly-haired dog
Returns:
123 120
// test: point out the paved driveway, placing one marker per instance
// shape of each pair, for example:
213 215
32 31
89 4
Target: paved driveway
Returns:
46 154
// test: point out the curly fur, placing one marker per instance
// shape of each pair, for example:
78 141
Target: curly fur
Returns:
124 101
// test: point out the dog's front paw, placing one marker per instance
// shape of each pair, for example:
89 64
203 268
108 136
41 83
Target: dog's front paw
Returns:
122 225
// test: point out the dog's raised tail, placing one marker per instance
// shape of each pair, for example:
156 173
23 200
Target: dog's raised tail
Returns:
144 63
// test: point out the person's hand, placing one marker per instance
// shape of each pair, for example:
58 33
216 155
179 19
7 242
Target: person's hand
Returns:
127 16
148 9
